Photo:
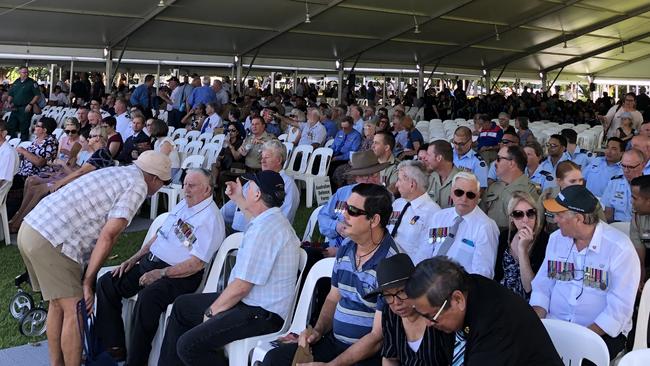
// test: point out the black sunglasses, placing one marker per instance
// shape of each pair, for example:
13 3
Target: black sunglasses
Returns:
499 158
354 211
518 214
232 130
69 132
460 193
390 298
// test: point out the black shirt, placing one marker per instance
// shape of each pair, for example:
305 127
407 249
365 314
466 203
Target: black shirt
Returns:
501 329
130 145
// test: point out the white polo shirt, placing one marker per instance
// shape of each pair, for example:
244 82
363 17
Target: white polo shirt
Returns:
123 126
413 224
475 245
190 231
604 284
8 160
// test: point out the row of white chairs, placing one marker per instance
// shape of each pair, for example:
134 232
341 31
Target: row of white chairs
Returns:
304 174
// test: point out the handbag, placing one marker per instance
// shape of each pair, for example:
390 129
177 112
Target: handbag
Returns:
95 354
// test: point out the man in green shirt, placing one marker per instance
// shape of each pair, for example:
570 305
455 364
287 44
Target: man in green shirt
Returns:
640 225
24 95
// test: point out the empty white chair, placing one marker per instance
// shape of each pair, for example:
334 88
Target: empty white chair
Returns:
641 331
329 143
4 191
311 224
170 130
640 357
283 137
289 147
325 154
322 269
193 161
239 351
179 133
575 343
218 138
302 151
205 137
211 152
192 135
58 132
180 143
192 148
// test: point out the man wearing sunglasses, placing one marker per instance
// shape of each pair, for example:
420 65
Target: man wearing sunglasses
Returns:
463 232
496 326
510 166
465 158
591 271
556 151
617 197
507 140
439 159
365 169
348 330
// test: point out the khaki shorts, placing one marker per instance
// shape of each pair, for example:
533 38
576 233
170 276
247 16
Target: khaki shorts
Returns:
50 272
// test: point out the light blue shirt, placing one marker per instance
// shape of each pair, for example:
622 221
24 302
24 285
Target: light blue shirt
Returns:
358 125
315 134
236 218
331 128
598 173
618 196
332 213
344 144
541 178
474 163
581 157
142 97
646 169
547 166
203 94
401 141
269 262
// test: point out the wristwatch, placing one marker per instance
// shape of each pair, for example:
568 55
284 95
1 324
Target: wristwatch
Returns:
208 313
163 273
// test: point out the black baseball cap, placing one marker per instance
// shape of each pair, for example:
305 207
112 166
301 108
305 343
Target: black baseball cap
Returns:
392 272
270 183
575 198
173 78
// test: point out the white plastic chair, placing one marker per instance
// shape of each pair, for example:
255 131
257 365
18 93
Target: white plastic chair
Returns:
640 357
329 143
283 137
205 137
623 227
192 148
641 332
304 151
311 224
310 179
173 191
180 143
179 133
238 352
575 343
170 130
25 144
14 142
322 269
218 138
192 135
211 152
4 191
289 146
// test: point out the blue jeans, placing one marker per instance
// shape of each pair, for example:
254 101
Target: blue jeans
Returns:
190 341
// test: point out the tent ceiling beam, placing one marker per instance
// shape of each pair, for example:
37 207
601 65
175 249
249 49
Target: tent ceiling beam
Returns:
573 35
623 63
513 26
140 23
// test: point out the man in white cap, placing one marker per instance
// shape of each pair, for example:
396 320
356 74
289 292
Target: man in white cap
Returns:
76 228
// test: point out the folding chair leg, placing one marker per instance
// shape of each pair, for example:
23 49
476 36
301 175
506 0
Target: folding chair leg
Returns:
309 191
153 211
5 224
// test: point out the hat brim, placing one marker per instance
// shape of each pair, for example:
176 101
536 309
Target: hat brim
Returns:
367 171
166 177
387 286
551 205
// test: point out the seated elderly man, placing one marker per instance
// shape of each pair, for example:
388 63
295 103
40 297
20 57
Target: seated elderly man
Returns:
463 232
348 330
169 265
617 197
496 326
251 148
274 154
365 169
260 288
592 271
410 212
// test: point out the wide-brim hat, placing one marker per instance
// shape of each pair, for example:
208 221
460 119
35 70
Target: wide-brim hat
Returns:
155 163
392 272
365 163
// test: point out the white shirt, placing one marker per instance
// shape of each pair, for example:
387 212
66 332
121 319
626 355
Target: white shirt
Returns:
123 126
213 121
269 257
196 231
315 134
173 155
289 206
609 251
414 223
8 162
476 242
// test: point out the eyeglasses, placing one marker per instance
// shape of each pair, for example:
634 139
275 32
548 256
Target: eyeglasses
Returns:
552 145
630 100
354 212
518 214
459 143
70 132
37 125
468 194
506 142
499 158
390 298
433 319
232 130
629 167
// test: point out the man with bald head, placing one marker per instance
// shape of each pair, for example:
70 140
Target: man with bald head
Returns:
467 159
642 143
617 198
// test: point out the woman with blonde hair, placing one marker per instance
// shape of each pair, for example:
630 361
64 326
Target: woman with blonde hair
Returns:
69 144
522 245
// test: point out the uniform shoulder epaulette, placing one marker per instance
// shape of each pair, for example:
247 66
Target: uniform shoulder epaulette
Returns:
617 177
585 151
478 156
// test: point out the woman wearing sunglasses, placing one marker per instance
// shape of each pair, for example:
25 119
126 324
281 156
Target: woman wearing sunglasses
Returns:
70 143
522 246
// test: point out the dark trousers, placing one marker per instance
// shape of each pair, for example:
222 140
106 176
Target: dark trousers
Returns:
152 302
190 341
174 118
19 120
324 350
614 345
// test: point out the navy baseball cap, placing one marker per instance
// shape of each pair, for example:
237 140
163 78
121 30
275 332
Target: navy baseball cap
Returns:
575 198
269 182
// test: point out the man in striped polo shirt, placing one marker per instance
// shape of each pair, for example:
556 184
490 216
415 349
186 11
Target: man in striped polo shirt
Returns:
348 330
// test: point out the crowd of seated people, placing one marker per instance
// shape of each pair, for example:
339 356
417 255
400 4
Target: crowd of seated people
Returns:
433 241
